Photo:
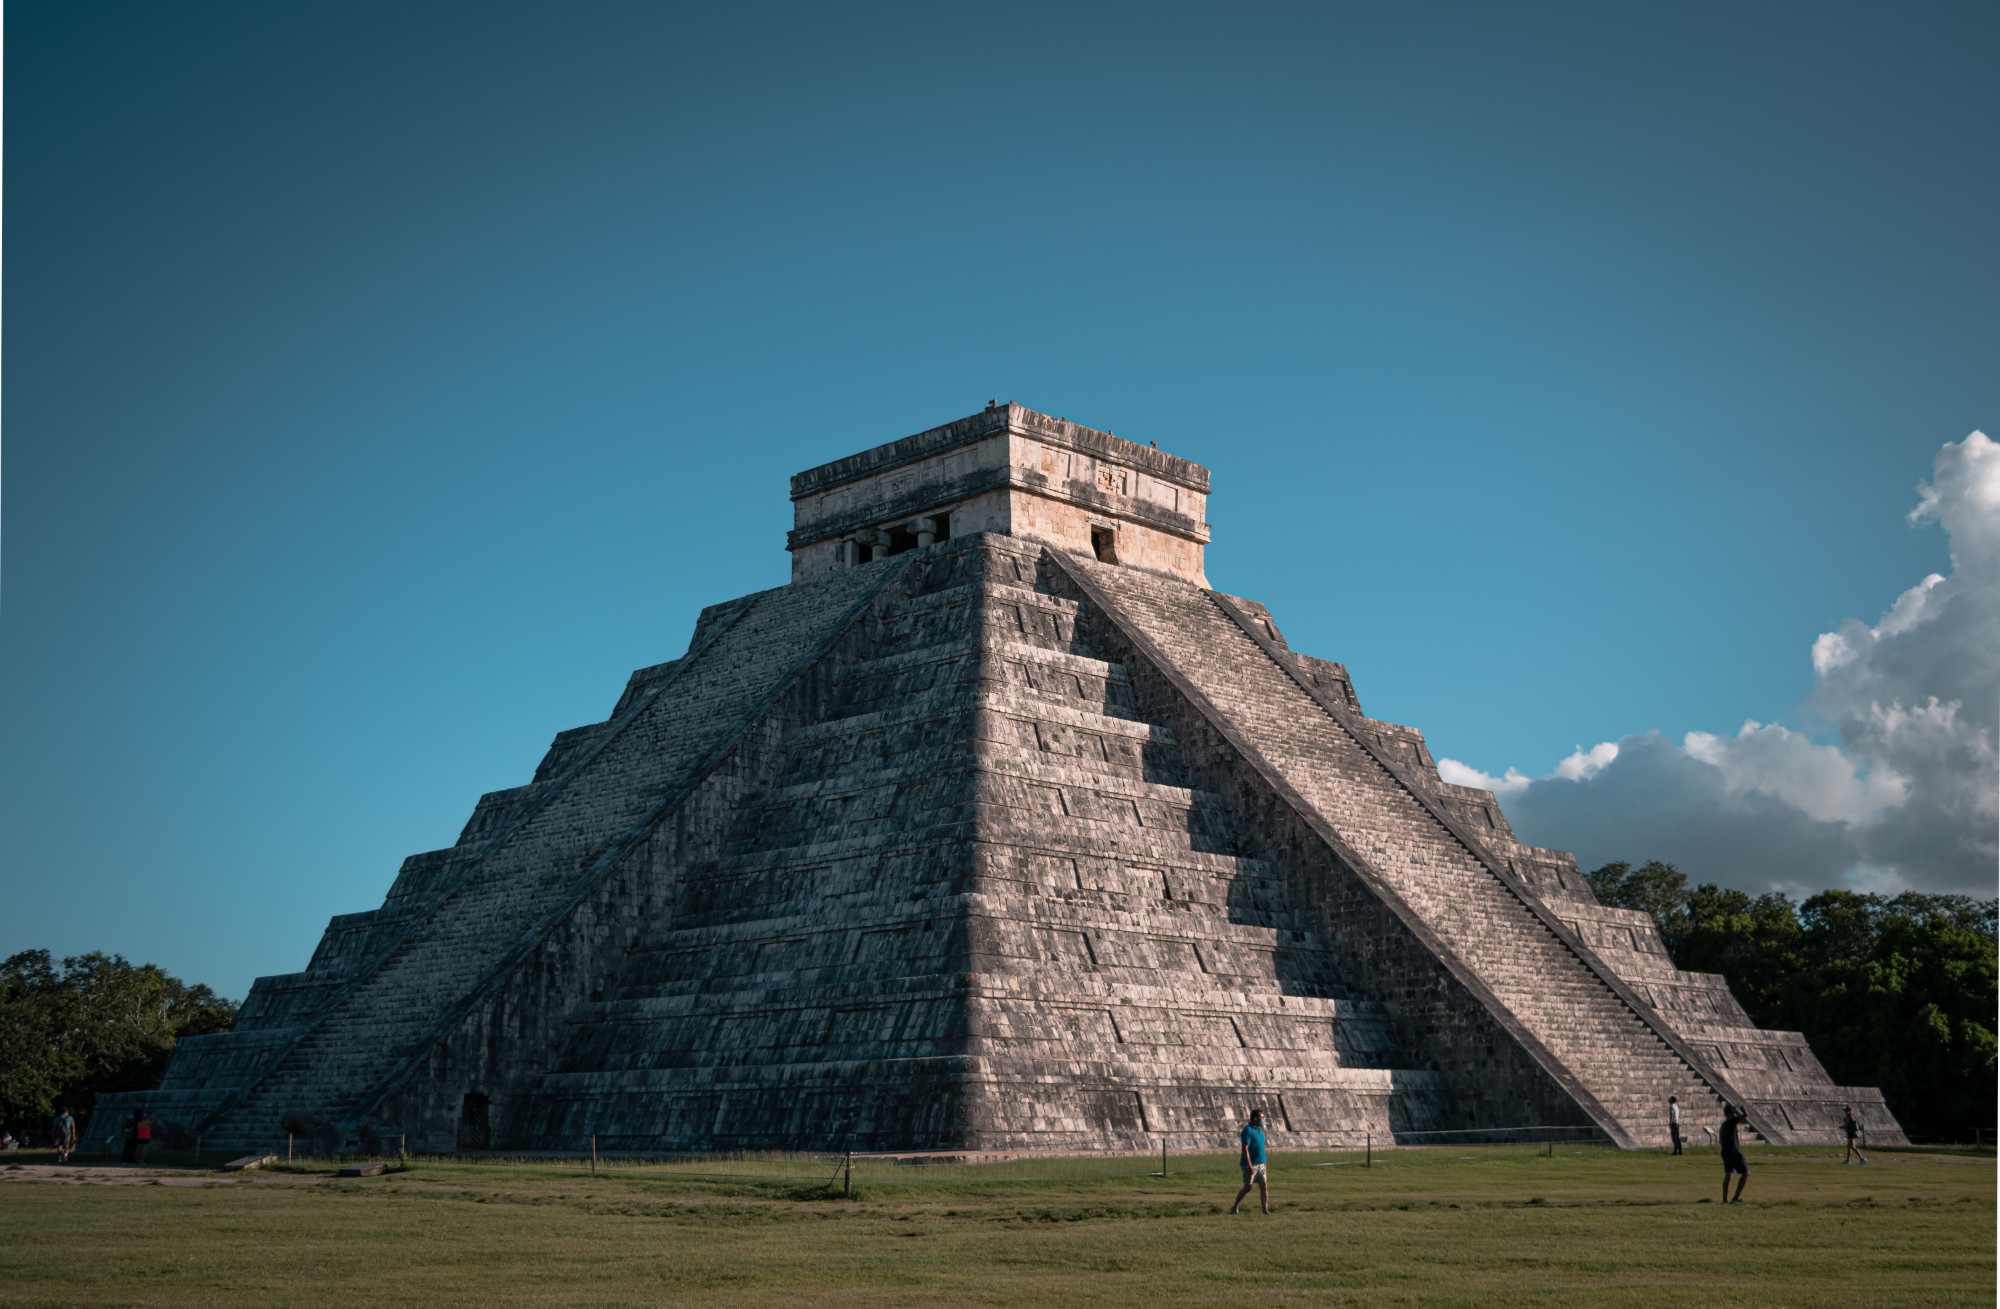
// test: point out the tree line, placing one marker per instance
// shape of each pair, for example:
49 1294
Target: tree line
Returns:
1891 991
74 1029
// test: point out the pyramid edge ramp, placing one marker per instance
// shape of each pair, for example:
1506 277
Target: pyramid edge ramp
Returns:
1478 849
606 862
1461 970
613 846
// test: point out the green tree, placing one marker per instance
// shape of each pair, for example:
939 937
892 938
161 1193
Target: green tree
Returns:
1659 889
1897 992
91 1024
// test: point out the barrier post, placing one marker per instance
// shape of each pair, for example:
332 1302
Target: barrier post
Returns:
288 1147
1163 1156
847 1176
593 1154
1368 1161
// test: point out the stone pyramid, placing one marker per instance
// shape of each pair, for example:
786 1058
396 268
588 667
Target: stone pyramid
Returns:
995 829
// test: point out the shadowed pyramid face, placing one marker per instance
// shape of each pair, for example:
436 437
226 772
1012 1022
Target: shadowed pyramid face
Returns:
998 830
1010 470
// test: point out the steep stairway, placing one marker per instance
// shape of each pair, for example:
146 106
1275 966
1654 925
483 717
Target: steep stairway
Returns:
1623 1060
540 866
982 875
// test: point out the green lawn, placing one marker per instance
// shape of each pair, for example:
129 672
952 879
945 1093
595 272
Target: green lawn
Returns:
1486 1226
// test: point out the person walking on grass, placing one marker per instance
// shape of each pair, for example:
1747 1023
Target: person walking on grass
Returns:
65 1130
1851 1129
1732 1154
1251 1154
1674 1121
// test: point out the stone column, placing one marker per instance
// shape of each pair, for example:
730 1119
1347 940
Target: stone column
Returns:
926 530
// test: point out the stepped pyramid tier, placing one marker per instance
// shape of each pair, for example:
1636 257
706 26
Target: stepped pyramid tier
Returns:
995 829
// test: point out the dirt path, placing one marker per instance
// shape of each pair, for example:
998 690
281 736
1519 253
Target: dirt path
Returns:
122 1175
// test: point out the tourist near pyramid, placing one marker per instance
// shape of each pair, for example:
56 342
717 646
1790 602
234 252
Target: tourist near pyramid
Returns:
995 829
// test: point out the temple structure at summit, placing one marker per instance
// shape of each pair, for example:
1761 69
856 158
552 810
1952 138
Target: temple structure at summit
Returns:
994 829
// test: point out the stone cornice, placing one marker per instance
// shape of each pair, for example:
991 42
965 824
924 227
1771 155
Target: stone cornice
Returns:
929 499
1000 420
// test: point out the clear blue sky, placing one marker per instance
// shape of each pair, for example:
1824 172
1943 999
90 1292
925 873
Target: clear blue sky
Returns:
384 382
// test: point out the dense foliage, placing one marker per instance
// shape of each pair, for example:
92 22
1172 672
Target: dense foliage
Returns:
93 1023
1892 991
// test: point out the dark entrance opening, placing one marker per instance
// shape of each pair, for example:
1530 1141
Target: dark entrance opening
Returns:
944 527
474 1131
1104 541
900 539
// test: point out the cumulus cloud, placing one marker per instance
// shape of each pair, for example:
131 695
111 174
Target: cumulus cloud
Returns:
1509 783
1582 765
1820 781
1910 795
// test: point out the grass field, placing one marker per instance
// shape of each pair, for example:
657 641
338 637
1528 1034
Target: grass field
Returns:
1486 1226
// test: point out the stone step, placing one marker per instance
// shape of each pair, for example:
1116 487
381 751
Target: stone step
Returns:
1530 970
653 754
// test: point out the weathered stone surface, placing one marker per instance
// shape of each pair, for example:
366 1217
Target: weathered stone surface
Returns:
984 843
1007 469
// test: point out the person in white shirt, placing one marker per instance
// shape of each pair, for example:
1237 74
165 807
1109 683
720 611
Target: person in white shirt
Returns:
1674 1121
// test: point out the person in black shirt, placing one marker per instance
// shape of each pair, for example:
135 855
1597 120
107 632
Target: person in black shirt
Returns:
1851 1129
1732 1154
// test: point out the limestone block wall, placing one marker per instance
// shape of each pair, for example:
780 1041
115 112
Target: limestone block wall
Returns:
1068 525
985 846
901 479
1596 1036
512 878
1010 470
1484 1077
1773 1073
204 1073
979 909
497 1045
1194 987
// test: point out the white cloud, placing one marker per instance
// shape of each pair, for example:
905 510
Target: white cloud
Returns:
1818 780
1458 774
1832 650
1581 764
1964 495
1909 797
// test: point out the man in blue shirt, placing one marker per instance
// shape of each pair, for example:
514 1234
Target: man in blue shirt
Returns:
1254 1164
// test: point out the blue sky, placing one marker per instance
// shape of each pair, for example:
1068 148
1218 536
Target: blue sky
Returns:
385 382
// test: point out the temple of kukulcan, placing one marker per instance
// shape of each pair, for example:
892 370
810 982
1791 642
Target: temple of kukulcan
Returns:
996 828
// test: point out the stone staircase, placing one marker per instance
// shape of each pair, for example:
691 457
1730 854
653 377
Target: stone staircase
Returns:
1625 1063
958 842
533 871
983 874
